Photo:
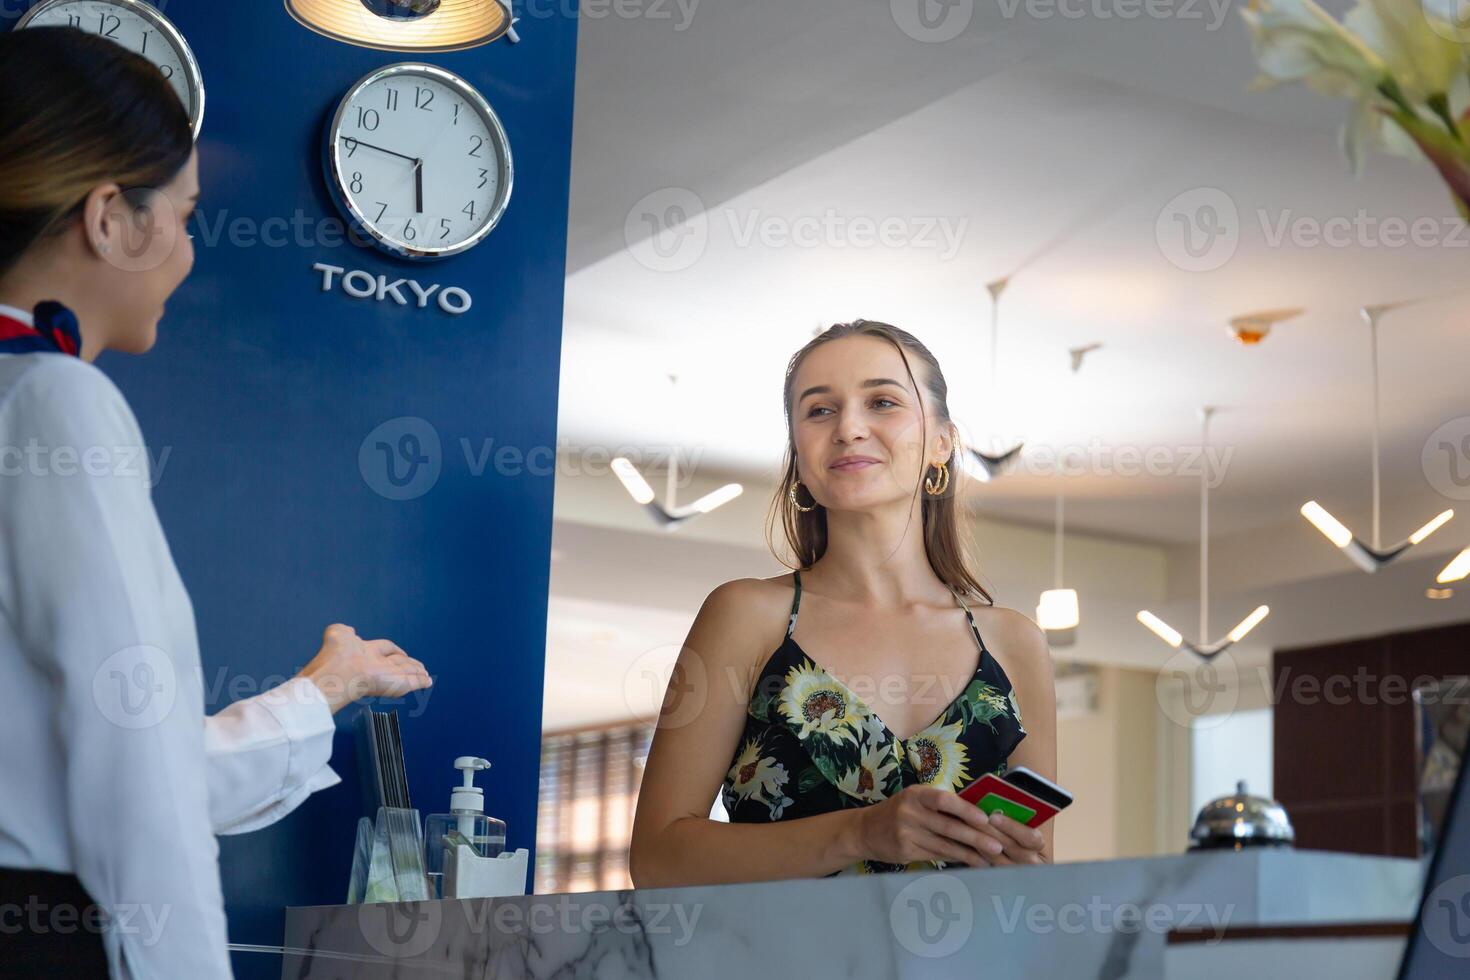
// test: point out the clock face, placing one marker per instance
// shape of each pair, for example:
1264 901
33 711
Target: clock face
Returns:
416 158
136 26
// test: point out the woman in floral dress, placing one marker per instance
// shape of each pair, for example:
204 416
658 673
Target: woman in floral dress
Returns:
840 746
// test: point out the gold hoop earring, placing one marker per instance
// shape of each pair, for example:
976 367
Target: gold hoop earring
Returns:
791 492
933 488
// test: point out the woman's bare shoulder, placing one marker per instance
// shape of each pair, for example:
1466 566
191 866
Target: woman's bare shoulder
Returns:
1013 637
751 600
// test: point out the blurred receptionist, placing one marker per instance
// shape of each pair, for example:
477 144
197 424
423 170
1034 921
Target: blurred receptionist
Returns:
115 781
887 692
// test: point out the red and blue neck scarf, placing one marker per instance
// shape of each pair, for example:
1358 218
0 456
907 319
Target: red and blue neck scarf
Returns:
56 331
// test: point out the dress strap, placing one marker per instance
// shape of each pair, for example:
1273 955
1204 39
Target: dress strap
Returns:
795 602
969 616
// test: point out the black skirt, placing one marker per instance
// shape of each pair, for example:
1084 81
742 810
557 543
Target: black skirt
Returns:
49 927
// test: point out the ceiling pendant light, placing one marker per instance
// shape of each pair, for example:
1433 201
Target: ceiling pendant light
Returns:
1162 629
1058 611
407 25
1371 557
993 465
669 515
1252 328
1457 569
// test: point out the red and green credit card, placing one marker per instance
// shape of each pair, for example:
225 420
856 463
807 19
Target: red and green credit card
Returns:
991 793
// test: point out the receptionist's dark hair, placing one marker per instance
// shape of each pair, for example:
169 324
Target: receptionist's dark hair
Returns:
78 110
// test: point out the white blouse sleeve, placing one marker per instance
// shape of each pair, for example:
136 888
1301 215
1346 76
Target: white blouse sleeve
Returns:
267 754
97 606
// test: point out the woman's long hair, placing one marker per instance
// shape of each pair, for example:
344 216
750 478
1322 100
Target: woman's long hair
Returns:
77 111
806 533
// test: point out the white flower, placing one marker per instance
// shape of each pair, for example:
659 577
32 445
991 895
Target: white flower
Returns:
868 780
1298 41
1421 60
756 775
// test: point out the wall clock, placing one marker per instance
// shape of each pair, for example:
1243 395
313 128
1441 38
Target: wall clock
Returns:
416 159
139 27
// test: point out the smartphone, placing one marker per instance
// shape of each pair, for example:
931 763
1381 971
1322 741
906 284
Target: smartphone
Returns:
1038 786
1024 796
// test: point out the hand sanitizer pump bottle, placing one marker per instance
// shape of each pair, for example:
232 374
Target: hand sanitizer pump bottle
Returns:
466 823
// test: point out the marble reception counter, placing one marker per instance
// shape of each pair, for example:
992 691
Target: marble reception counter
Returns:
1106 919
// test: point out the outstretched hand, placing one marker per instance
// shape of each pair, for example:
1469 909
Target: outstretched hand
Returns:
348 668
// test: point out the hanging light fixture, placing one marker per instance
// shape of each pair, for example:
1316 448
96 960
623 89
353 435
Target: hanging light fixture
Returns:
1371 557
993 465
1058 611
1252 328
1457 569
1162 629
407 25
669 515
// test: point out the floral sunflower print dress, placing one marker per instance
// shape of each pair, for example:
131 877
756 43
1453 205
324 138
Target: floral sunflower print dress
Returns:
811 745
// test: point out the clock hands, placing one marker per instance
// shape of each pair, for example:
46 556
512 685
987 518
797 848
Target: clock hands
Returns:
381 149
418 170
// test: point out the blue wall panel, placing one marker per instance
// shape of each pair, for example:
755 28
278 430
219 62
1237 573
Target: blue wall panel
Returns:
263 388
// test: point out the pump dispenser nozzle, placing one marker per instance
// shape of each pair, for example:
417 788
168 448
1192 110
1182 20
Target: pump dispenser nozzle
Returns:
468 796
465 825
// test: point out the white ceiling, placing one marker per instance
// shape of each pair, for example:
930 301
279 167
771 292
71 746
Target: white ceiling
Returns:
1054 144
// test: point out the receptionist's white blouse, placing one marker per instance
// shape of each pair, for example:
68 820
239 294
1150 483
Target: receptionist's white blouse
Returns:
111 771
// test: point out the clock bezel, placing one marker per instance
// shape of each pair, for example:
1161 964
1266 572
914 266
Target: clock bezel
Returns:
193 76
336 185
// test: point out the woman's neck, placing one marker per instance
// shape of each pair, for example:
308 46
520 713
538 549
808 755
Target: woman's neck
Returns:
877 558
